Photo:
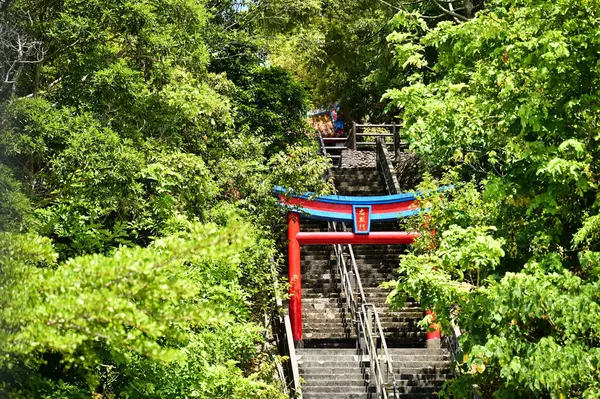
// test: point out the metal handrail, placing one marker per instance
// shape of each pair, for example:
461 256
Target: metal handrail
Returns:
323 150
366 319
361 291
387 359
282 330
451 341
381 365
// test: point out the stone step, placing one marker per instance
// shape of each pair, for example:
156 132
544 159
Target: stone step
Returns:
309 335
387 318
315 249
333 395
440 375
405 373
328 331
351 172
405 385
385 325
362 188
386 248
334 372
323 358
326 312
329 343
306 258
380 250
335 381
313 264
319 286
412 351
358 175
315 369
311 301
307 394
325 249
350 175
406 336
339 390
370 179
425 364
418 392
377 289
316 323
325 319
372 279
332 327
314 276
341 366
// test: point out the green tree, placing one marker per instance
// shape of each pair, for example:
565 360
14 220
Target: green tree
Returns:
510 103
168 320
120 144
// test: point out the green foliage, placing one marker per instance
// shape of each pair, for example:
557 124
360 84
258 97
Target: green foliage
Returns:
508 101
273 105
532 332
301 166
87 180
338 48
341 49
140 126
15 208
160 321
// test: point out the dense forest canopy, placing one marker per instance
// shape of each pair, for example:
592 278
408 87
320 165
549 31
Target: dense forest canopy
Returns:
137 147
140 139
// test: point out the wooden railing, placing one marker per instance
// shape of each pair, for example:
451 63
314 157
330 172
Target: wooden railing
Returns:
365 136
329 147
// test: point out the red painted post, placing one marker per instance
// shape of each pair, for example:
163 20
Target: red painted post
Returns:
433 336
294 275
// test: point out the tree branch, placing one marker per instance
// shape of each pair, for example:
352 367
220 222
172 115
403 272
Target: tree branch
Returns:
451 13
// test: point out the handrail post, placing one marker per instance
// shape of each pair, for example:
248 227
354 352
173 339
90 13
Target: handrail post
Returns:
396 142
354 135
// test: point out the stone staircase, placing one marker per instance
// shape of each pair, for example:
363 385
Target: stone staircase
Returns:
377 264
329 361
331 373
324 321
420 372
358 181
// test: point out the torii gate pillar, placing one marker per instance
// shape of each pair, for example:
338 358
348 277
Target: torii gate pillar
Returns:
295 275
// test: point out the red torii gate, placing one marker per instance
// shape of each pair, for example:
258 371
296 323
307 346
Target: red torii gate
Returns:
360 211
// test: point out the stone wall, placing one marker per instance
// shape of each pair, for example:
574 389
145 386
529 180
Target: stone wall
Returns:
408 170
386 168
